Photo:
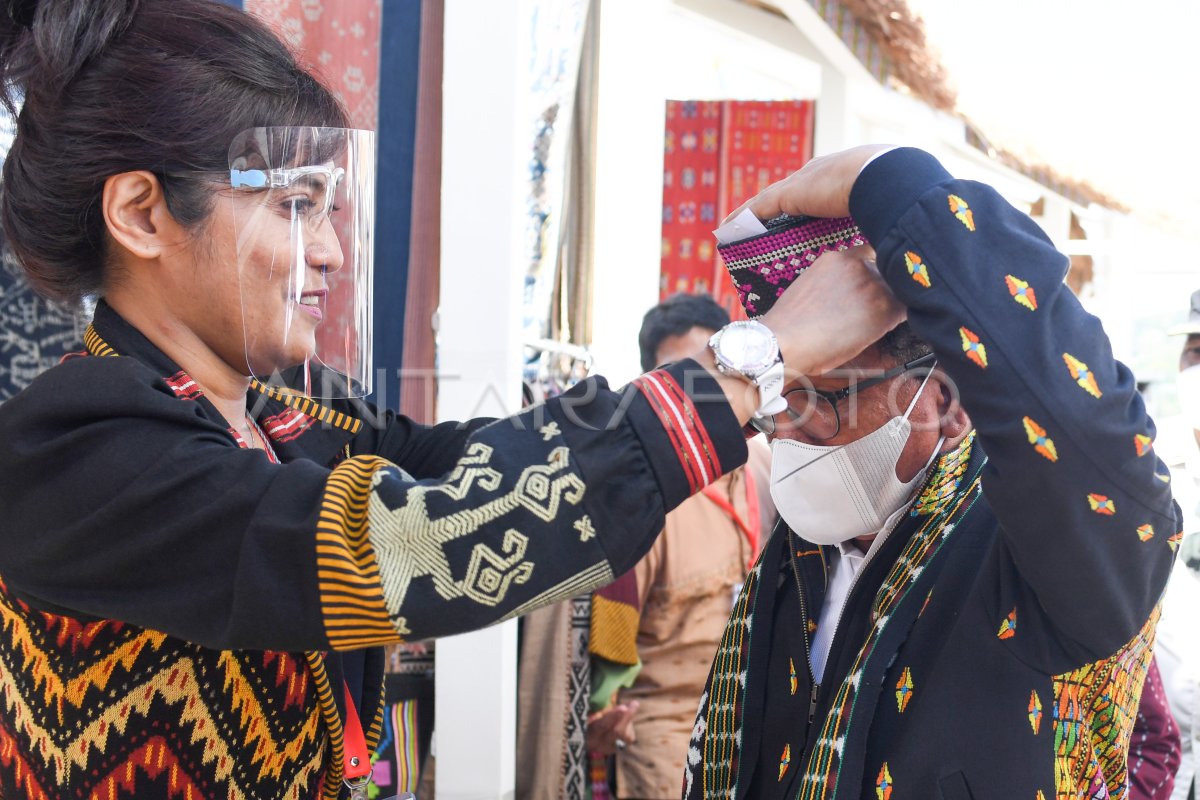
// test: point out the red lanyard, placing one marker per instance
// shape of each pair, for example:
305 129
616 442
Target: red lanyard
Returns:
356 759
750 531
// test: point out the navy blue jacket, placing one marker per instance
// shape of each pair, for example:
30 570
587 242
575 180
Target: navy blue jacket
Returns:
996 644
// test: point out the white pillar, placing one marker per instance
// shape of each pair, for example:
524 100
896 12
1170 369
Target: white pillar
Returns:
485 152
630 114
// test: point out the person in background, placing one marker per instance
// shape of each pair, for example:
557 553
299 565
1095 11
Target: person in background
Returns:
654 630
1177 649
1180 434
1177 652
1155 749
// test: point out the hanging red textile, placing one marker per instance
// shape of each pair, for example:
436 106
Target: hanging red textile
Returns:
716 155
691 162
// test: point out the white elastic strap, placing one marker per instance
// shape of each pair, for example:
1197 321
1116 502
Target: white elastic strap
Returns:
912 403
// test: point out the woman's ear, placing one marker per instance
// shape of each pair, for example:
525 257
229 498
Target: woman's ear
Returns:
136 214
952 417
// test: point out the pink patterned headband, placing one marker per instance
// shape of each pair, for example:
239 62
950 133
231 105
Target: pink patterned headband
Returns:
763 266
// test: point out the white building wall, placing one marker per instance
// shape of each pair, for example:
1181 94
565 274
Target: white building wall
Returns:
652 51
484 183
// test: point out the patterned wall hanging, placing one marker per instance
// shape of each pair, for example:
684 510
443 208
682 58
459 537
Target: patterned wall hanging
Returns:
34 333
716 155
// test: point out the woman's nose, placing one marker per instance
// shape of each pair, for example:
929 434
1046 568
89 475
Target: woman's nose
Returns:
324 249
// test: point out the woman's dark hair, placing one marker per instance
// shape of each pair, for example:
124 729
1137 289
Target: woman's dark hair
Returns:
109 86
675 316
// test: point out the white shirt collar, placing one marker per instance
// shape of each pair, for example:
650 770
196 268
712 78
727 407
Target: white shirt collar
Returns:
850 550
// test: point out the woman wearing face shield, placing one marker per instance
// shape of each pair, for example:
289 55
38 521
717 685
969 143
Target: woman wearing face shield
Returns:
207 534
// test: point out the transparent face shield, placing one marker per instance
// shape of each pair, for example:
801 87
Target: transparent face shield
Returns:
303 209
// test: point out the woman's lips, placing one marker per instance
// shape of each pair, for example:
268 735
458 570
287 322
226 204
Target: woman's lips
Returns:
311 303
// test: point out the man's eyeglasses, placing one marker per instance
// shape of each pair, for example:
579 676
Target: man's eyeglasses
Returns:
814 413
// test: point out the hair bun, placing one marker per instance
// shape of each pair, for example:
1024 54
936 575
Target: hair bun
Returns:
22 12
46 44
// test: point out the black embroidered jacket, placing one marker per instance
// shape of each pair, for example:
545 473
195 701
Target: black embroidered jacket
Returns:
178 613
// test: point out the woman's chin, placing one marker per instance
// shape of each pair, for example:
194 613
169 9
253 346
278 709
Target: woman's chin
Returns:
273 367
301 355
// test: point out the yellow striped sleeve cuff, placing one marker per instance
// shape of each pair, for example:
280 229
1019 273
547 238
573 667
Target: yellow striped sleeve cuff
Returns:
352 604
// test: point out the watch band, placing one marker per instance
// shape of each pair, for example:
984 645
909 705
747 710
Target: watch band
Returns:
770 391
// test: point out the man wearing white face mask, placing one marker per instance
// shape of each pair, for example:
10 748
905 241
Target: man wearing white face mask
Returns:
960 600
1184 454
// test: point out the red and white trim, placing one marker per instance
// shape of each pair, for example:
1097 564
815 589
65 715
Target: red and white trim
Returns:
287 425
682 424
184 387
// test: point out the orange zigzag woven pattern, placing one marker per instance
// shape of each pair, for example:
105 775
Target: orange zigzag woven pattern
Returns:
111 710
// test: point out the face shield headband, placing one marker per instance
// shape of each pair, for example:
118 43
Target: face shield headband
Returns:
303 210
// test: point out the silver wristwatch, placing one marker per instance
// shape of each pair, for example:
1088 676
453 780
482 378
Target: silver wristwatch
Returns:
747 349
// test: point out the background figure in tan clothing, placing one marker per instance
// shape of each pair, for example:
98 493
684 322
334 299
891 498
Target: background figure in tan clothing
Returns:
654 631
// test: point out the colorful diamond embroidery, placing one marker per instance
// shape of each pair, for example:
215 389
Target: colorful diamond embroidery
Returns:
883 784
973 348
1082 375
1145 532
784 761
1040 441
904 690
1035 712
960 209
1008 627
1022 292
1175 540
1102 505
916 268
792 681
1142 443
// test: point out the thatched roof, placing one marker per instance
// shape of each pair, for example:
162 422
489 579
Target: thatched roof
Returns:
888 38
1075 190
901 36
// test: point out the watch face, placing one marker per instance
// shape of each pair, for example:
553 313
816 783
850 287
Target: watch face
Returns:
747 347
